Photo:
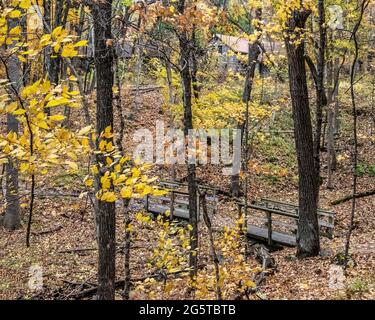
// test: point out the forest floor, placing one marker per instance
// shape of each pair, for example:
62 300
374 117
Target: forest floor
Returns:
63 239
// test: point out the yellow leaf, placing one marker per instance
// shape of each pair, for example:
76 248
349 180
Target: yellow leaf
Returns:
89 182
57 117
108 197
69 51
109 147
158 192
21 58
129 228
108 161
7 149
94 169
57 102
126 192
81 43
24 166
72 165
14 14
72 155
25 4
108 132
102 145
19 112
16 31
136 172
84 131
11 107
57 31
43 125
106 183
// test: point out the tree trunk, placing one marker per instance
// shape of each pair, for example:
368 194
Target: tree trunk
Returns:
308 230
336 97
194 67
106 215
363 7
320 94
185 47
12 208
55 63
330 148
252 59
188 124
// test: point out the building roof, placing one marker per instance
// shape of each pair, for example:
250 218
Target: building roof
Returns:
236 44
241 45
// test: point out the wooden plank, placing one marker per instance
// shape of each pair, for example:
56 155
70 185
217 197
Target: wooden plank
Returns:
288 214
184 184
178 200
294 225
279 212
277 223
177 212
320 211
277 237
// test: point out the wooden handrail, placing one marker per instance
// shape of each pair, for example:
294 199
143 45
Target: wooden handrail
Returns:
166 182
279 212
294 206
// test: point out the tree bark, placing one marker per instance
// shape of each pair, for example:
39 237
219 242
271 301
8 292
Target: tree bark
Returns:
330 147
253 54
106 215
185 47
55 63
12 218
320 93
363 7
308 230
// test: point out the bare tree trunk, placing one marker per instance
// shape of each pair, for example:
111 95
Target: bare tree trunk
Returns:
194 67
138 72
185 47
254 52
12 219
106 214
171 96
331 147
308 230
55 63
363 7
168 70
127 244
321 95
207 221
125 202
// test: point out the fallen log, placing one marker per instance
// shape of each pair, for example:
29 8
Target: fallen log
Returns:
263 256
120 283
77 250
349 197
47 231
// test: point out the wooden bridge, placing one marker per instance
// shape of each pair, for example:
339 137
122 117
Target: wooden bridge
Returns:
277 222
268 220
177 200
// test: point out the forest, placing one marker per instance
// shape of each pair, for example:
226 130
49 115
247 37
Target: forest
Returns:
187 150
